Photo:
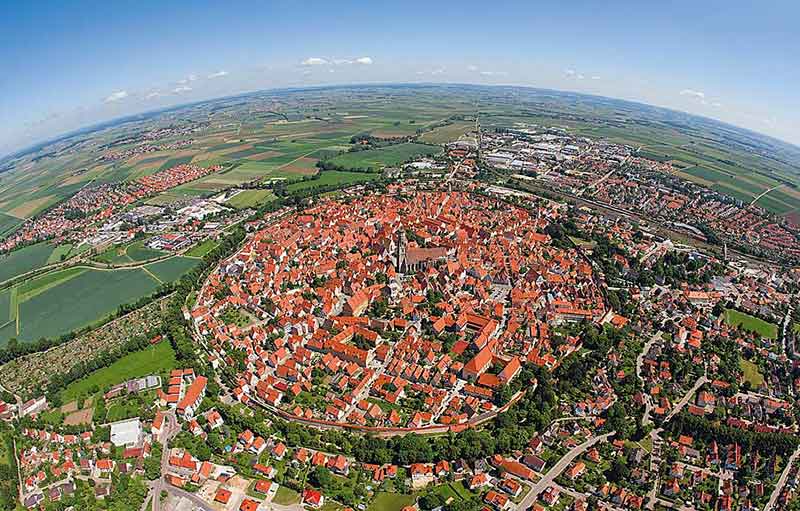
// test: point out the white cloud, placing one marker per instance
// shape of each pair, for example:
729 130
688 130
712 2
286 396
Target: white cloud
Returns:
181 89
716 104
571 73
319 61
153 95
314 61
438 71
218 74
117 96
472 67
693 93
494 73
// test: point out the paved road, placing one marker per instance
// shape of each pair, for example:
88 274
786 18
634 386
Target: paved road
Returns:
558 468
648 400
785 332
782 481
683 402
194 499
171 428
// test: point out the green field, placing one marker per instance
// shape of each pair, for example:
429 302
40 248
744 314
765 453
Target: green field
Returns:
286 496
385 501
751 372
58 252
280 166
172 269
80 301
153 360
376 159
751 324
65 300
8 222
137 251
202 249
250 198
446 134
131 253
333 177
34 287
288 161
114 254
24 260
172 162
5 306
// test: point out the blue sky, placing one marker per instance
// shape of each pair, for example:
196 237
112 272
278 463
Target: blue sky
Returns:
69 64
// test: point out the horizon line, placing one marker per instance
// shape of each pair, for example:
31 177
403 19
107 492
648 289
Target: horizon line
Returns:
101 124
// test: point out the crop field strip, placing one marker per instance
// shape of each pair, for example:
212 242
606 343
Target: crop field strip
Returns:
249 199
334 177
385 156
52 180
66 300
26 259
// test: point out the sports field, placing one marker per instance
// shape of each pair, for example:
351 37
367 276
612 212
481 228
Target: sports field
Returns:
750 323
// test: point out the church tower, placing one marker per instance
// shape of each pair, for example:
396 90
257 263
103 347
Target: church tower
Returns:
401 252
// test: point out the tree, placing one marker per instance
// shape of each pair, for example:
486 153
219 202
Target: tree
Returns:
321 477
618 471
430 501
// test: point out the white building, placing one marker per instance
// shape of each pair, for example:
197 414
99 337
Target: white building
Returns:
127 433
